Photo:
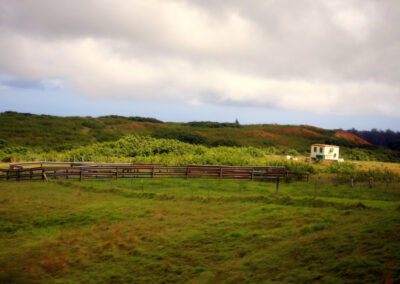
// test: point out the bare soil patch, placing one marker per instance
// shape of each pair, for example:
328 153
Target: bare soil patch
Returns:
351 137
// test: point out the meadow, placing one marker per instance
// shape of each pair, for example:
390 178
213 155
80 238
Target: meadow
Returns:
198 231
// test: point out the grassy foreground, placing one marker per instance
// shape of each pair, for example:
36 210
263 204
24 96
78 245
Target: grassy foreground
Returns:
197 231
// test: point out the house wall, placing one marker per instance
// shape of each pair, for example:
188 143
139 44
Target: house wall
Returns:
328 152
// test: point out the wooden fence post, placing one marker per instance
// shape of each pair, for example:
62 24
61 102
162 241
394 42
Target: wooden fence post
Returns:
277 187
252 174
8 174
371 182
30 174
187 172
116 172
220 172
81 174
18 174
152 172
44 176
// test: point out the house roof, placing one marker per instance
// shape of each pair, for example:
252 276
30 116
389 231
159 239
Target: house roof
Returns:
325 145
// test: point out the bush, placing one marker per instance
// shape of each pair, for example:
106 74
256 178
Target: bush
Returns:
181 135
212 124
342 168
225 142
3 143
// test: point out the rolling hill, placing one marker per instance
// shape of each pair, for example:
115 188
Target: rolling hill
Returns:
53 133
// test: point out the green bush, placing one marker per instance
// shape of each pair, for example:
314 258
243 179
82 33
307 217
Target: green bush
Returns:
212 124
181 135
342 168
225 142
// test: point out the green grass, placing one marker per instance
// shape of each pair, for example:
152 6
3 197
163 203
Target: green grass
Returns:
197 231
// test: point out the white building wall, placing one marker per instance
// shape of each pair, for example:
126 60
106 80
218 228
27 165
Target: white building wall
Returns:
327 151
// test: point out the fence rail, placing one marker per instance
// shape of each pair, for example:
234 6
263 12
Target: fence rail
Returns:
93 171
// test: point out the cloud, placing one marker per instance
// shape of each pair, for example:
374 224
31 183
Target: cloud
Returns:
339 57
7 82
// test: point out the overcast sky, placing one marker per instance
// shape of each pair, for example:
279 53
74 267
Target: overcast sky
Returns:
330 63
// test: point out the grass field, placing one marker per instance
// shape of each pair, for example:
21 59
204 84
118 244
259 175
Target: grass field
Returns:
197 231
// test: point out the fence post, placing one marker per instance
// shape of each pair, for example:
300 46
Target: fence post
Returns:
81 174
30 174
44 176
220 172
116 172
18 174
7 175
187 172
152 172
252 174
371 182
277 187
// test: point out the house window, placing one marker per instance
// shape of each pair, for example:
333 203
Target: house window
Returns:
331 150
320 149
315 149
334 155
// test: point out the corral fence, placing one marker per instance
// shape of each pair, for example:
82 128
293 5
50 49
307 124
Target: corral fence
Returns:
102 171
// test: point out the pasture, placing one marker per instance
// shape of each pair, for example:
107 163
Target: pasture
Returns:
198 231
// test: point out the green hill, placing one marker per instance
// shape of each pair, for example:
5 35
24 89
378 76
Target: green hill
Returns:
22 132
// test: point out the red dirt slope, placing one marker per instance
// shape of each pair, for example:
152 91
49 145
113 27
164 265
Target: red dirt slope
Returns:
260 133
350 136
298 131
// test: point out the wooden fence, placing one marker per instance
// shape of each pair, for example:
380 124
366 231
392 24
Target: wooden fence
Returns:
93 171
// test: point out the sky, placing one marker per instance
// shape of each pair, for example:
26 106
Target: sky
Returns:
328 63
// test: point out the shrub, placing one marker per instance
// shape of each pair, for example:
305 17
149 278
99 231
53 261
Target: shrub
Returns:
212 124
342 168
225 142
181 135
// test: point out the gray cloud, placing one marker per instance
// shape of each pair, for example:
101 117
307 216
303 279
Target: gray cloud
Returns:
21 84
319 56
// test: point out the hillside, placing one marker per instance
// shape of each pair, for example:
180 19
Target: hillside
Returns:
23 132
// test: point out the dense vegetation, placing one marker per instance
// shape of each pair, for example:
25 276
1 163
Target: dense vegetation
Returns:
133 118
27 136
212 124
198 231
387 138
145 149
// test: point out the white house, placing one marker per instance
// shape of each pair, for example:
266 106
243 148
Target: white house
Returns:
324 152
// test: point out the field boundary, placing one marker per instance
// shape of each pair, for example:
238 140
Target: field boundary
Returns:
98 171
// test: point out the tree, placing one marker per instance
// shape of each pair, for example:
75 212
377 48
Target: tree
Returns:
237 122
